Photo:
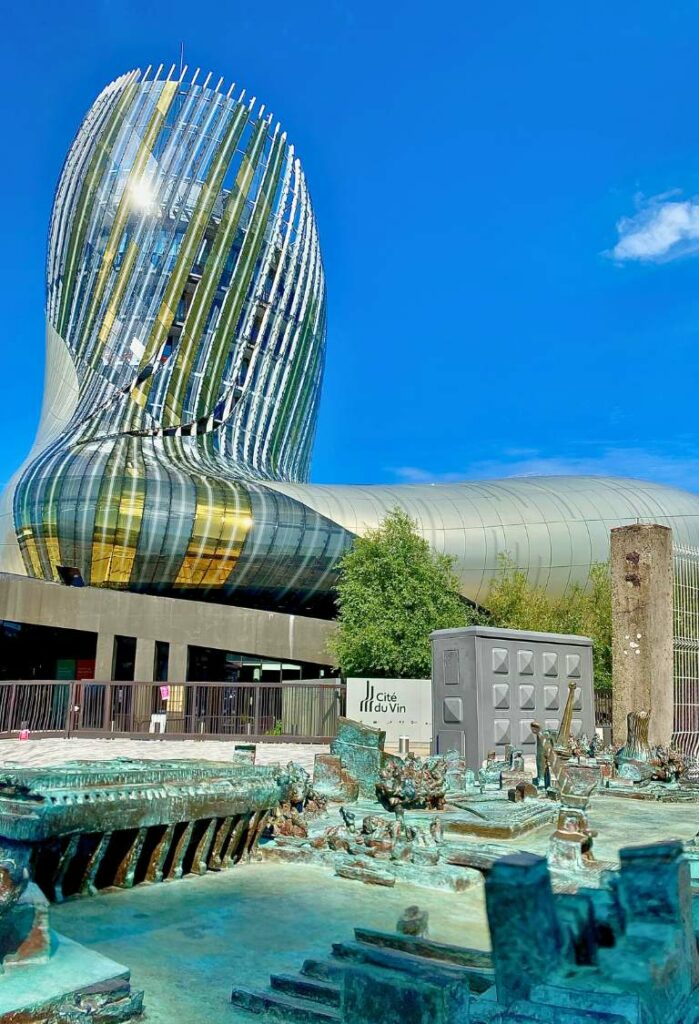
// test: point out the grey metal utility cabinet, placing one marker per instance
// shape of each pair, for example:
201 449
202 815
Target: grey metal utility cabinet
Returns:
489 685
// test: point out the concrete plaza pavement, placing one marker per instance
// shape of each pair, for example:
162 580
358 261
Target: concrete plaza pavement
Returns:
41 752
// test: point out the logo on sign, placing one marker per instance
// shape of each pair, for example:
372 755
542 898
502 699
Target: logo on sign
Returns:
368 703
386 703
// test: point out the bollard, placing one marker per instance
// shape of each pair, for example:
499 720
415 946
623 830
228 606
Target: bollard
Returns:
403 744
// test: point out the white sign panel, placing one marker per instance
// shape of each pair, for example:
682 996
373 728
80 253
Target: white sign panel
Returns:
401 707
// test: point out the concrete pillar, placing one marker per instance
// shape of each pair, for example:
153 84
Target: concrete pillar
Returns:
642 589
524 928
144 672
177 673
144 668
177 663
104 657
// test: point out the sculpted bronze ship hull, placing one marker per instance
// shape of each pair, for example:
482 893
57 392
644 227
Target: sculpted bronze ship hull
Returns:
87 826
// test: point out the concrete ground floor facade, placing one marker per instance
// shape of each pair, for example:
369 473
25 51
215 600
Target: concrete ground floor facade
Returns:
120 635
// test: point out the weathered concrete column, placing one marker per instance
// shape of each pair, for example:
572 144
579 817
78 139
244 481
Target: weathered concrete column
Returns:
642 586
104 657
524 929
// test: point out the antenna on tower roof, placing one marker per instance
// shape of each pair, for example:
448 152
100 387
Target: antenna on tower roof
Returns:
181 59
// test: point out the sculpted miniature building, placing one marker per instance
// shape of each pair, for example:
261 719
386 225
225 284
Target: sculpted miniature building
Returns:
624 953
185 322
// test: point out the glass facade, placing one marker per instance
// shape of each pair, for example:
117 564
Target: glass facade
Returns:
186 286
186 320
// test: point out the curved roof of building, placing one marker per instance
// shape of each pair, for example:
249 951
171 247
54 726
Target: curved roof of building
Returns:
555 527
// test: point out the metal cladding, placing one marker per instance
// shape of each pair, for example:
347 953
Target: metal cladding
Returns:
186 338
186 320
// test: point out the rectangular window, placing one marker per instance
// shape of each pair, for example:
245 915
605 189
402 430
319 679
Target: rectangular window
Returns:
124 658
162 659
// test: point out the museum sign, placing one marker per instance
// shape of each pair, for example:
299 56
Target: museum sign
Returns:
401 707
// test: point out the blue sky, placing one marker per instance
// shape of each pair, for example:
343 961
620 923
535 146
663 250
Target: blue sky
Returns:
507 197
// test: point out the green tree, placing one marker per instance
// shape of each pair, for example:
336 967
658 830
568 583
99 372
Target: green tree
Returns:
393 590
513 603
599 625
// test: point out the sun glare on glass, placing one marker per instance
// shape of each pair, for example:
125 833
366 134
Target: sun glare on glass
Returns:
142 195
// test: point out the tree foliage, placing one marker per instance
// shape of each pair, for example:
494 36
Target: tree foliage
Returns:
393 591
513 603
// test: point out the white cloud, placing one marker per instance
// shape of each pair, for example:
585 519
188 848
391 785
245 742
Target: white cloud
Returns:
662 230
679 469
415 475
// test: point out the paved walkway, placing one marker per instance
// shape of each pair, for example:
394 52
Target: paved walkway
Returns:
56 751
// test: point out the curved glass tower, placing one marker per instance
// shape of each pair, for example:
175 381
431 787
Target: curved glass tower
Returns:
185 348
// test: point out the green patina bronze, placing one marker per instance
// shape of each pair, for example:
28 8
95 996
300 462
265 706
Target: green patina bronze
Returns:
625 953
359 751
84 826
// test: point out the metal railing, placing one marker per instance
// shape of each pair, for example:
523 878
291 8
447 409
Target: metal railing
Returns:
603 709
686 648
304 711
